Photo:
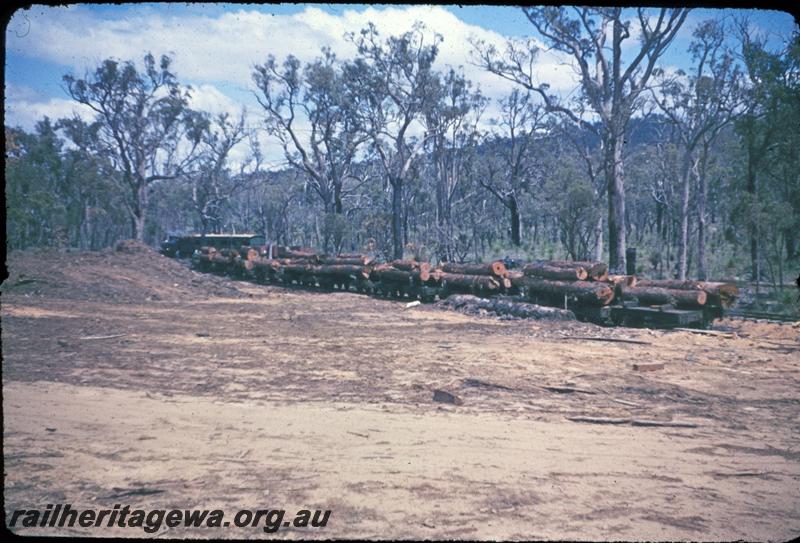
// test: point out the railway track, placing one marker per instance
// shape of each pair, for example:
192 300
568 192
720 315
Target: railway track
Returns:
761 316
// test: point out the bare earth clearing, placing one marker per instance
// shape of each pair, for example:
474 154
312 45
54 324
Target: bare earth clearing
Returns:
228 395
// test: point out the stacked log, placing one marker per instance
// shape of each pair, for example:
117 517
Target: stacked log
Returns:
495 269
619 283
410 265
203 255
340 270
390 274
647 295
243 266
721 294
346 260
300 259
294 267
584 292
265 269
457 282
351 255
597 271
293 252
543 270
229 253
718 294
248 253
221 258
583 285
623 280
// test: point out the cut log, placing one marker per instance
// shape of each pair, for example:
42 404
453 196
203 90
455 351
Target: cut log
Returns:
545 271
436 277
584 292
304 254
346 261
352 255
597 271
340 270
421 276
664 296
497 269
719 294
242 264
411 265
624 280
677 284
469 283
499 306
301 259
389 274
266 264
248 253
219 258
301 269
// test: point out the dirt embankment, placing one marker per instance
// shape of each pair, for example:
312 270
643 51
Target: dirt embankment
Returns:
131 272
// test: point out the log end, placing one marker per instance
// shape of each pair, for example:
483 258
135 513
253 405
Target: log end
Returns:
499 269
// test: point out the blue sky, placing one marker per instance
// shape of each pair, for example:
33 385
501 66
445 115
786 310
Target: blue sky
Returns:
215 45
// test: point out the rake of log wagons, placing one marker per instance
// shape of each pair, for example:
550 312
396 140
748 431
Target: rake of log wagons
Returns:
585 288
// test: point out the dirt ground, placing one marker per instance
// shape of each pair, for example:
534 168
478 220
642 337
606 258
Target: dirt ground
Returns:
128 378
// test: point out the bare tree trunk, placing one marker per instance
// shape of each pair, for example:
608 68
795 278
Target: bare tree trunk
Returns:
702 197
397 218
616 204
752 188
683 240
338 207
598 243
513 207
140 209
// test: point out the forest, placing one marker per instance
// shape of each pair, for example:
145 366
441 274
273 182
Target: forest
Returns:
697 169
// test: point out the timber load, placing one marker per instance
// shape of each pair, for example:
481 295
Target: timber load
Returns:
495 269
354 270
392 274
584 292
665 296
560 273
468 283
718 294
583 288
596 271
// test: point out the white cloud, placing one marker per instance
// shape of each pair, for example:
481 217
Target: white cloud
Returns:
24 107
218 52
207 97
225 47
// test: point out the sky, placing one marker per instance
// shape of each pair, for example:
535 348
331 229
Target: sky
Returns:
216 45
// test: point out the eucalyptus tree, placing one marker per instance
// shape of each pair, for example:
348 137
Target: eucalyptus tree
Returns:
310 111
394 84
510 162
699 104
142 126
452 121
212 182
595 40
768 131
